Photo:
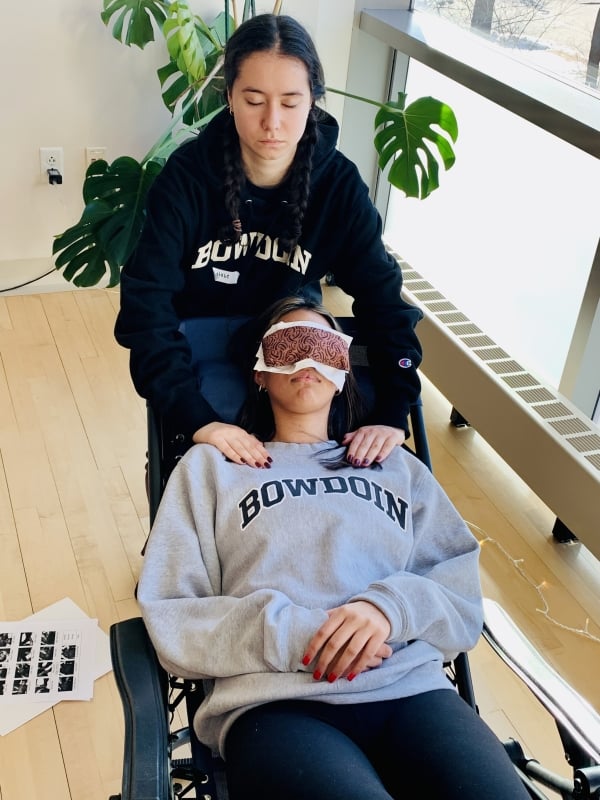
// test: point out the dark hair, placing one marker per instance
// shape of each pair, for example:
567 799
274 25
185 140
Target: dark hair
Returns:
347 407
285 36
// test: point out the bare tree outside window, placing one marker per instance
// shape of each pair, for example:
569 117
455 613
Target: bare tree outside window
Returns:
561 36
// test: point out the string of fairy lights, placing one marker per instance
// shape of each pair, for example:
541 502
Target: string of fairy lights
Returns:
538 587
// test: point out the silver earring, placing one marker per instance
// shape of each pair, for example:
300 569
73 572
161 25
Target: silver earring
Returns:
231 110
261 388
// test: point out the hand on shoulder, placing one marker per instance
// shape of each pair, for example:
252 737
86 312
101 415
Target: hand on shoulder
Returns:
372 443
235 443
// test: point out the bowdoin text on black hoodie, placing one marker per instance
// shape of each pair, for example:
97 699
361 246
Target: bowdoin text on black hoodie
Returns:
181 269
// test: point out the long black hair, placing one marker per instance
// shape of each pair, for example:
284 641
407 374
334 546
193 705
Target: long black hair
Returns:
347 408
286 37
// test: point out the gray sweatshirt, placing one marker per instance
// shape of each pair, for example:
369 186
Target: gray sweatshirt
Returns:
243 563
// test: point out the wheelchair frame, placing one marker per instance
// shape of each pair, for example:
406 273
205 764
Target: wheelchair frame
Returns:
150 697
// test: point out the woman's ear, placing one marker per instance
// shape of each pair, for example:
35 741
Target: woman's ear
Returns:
258 379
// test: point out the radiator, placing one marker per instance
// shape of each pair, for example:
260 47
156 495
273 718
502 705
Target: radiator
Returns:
543 437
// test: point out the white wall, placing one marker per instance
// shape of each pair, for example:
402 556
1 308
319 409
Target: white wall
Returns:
72 85
67 82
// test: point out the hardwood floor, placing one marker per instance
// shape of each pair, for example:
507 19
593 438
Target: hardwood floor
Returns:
73 519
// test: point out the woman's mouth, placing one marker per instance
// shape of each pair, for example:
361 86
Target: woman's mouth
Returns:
305 377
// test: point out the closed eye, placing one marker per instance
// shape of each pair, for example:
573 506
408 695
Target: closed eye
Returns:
260 103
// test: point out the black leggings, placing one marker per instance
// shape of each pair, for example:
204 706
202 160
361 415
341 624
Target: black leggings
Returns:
432 745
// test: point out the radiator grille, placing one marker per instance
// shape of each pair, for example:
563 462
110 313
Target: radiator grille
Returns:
561 419
594 460
540 395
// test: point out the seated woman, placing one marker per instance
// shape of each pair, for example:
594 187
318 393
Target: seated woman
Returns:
320 601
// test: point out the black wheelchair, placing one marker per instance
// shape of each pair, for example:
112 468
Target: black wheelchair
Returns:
164 760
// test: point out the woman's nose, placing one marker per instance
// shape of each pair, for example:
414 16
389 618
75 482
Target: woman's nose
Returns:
271 119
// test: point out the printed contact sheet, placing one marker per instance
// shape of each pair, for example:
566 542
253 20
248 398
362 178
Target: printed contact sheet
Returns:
46 660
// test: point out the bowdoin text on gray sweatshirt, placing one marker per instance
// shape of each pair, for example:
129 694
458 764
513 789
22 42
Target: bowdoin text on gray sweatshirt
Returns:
242 564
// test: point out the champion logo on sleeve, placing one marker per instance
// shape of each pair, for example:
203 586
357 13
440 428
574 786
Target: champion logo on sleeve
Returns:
405 363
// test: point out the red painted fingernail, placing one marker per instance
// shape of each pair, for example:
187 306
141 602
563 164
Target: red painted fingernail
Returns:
332 677
270 460
351 676
317 675
366 462
306 660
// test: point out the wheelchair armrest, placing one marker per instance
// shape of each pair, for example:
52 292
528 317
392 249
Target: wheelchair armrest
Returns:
576 716
143 687
417 424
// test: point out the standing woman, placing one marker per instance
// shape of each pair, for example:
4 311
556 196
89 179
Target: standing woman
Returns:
259 206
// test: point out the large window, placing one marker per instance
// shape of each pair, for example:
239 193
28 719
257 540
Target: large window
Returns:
512 236
511 233
504 257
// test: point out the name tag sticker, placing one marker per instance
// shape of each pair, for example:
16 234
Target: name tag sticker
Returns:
226 276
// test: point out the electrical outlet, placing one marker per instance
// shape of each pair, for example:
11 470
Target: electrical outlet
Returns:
51 158
94 154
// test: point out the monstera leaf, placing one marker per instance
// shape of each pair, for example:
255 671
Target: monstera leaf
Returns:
195 104
110 225
182 30
138 14
196 55
402 137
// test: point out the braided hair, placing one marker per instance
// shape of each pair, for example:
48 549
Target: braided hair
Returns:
285 36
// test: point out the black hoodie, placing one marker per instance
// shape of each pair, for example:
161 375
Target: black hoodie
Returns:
181 269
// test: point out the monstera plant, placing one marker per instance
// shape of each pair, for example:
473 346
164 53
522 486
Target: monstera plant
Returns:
406 137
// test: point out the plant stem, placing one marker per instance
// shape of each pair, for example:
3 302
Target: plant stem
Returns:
356 97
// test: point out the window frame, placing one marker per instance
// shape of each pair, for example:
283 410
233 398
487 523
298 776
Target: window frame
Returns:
386 39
